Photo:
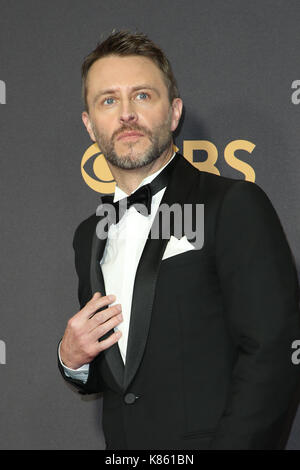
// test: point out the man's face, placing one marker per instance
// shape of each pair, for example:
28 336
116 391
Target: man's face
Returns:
130 116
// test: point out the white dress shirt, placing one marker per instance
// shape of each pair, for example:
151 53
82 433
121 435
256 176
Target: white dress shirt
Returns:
123 249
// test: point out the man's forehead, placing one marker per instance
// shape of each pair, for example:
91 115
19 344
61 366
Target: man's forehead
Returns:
113 71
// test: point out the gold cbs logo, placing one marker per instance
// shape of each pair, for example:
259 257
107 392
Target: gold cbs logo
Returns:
105 183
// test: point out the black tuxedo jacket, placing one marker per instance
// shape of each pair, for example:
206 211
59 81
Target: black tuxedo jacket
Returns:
208 361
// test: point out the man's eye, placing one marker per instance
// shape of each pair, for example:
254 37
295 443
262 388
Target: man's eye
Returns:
142 95
108 100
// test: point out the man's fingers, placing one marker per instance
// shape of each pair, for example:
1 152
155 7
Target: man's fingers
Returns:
102 328
103 316
97 301
106 343
79 346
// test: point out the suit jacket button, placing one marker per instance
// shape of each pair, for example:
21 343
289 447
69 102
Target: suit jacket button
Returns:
130 398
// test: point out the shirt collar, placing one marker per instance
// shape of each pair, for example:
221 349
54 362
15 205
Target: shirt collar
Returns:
120 194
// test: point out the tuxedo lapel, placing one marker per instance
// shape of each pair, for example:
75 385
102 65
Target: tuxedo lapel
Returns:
112 354
178 191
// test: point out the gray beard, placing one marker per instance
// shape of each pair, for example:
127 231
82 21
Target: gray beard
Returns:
160 142
127 163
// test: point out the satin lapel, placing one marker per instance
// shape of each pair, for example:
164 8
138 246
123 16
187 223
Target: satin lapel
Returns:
178 190
112 354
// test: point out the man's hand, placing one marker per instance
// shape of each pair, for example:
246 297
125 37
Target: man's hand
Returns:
80 343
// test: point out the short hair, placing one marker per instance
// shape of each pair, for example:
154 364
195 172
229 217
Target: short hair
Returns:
126 43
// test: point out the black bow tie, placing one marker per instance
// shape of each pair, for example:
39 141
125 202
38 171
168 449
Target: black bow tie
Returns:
141 199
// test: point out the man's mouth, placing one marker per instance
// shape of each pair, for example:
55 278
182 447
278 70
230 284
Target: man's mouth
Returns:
130 135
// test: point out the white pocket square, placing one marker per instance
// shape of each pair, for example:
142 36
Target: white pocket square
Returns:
175 246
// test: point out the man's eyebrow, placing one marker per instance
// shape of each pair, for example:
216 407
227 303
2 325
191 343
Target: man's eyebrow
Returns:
147 87
103 92
114 90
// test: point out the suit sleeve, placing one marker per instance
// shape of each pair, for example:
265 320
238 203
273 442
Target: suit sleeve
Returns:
93 383
260 293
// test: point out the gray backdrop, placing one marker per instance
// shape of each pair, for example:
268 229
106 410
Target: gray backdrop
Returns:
235 62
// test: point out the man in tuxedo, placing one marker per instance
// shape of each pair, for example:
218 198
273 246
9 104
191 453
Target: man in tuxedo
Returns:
191 346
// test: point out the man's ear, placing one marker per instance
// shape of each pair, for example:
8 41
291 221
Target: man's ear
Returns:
87 122
177 106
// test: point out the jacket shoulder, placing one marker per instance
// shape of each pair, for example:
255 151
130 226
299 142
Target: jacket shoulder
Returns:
85 229
233 196
222 186
212 186
208 180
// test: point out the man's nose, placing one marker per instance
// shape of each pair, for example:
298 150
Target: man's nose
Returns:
128 113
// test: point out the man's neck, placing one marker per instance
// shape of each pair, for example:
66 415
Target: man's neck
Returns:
129 180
